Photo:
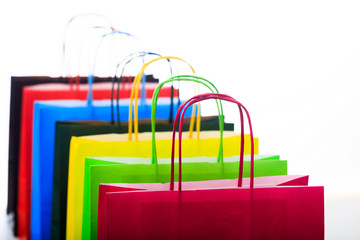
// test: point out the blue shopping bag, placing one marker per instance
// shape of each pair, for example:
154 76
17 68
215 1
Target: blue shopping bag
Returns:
46 113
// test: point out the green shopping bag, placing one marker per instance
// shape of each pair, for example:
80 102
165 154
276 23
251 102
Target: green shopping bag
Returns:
82 147
108 170
152 170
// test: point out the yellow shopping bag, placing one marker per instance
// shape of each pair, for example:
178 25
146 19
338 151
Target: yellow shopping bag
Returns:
118 145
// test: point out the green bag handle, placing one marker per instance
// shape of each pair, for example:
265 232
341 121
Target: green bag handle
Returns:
191 78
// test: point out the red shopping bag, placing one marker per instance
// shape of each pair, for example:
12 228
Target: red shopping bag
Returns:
16 91
51 92
108 195
255 208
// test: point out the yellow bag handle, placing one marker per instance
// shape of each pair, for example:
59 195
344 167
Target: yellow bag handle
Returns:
135 91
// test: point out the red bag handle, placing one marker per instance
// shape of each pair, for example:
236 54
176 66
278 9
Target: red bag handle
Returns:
203 97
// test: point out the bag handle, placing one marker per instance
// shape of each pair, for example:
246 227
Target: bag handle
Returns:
80 53
84 37
92 66
203 97
143 79
125 62
120 79
66 38
191 78
135 93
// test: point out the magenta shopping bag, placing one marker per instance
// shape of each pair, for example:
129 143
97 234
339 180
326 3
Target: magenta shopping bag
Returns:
254 208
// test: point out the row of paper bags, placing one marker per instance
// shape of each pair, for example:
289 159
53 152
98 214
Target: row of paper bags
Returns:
97 168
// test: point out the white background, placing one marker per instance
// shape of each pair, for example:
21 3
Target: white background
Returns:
295 65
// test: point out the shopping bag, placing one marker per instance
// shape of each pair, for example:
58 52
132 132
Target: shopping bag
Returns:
106 146
21 181
80 128
17 84
23 95
45 115
212 169
271 167
238 209
70 209
16 91
130 170
109 195
30 94
43 152
63 133
16 99
202 212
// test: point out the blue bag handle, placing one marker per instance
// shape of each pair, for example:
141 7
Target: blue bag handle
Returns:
92 67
